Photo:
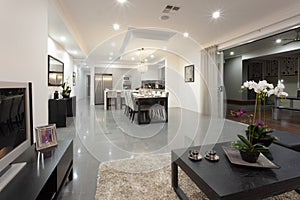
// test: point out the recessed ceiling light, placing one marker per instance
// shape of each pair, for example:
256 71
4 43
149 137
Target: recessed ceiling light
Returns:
63 38
186 34
278 41
113 44
152 56
231 53
111 53
122 1
132 58
75 52
216 14
164 17
146 60
116 26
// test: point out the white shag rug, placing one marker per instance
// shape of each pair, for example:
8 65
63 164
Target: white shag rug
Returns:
149 177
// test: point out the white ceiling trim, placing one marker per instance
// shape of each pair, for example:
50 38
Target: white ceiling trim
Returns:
266 31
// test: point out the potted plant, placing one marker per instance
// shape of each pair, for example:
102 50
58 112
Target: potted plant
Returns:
249 151
66 90
260 134
257 132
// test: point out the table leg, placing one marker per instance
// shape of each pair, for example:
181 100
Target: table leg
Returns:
166 108
139 112
175 186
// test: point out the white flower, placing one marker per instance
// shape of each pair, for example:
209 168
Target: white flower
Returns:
270 92
265 88
282 94
280 85
246 84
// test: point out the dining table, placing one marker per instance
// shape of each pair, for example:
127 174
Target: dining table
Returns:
150 100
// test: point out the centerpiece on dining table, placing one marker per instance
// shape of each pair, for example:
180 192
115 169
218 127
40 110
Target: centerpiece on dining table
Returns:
257 136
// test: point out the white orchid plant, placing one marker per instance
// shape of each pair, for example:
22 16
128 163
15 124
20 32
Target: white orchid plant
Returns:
263 90
257 132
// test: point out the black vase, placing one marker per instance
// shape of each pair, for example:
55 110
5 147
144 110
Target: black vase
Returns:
56 95
250 157
66 95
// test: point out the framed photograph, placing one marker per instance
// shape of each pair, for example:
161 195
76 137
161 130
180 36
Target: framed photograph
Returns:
74 78
45 136
189 73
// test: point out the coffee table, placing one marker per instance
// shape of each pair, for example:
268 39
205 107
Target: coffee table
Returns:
224 180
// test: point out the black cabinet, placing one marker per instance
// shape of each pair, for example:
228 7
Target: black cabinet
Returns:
60 109
43 176
71 106
57 110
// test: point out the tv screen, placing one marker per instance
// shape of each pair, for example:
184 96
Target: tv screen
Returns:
15 123
12 119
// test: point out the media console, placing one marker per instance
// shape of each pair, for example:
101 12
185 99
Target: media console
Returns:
43 175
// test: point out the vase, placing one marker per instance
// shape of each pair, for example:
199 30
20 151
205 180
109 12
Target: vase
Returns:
66 95
56 95
250 157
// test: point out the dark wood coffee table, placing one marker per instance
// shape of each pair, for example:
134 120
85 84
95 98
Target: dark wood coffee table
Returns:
223 180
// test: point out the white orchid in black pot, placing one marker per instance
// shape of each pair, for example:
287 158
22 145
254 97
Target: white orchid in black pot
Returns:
257 133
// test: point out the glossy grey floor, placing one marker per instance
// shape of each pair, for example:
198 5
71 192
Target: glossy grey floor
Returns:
101 135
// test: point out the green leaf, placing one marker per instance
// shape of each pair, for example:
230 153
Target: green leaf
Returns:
244 140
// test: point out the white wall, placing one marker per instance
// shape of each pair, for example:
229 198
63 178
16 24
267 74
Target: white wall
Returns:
23 49
56 51
233 74
174 78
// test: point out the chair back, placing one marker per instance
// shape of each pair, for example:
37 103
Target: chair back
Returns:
112 94
165 94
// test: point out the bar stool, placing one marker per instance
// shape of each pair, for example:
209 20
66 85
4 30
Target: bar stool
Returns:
111 95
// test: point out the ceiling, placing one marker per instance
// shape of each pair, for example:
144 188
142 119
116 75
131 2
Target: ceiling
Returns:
88 25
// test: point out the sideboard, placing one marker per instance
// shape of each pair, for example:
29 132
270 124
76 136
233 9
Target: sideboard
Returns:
43 175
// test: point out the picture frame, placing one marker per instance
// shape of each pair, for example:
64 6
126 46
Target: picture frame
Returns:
45 136
74 78
189 73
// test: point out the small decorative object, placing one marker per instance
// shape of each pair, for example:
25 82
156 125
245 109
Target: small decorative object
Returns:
189 73
56 94
45 136
212 155
234 157
257 132
66 90
194 155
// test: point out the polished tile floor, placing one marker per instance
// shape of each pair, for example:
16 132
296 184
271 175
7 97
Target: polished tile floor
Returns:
101 135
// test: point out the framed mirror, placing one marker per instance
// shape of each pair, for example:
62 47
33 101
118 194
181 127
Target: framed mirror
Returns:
55 71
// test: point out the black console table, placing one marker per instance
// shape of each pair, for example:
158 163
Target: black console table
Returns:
41 178
60 109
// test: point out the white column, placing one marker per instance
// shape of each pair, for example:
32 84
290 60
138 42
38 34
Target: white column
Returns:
92 86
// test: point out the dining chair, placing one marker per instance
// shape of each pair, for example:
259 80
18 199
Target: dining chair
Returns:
111 95
123 100
144 109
